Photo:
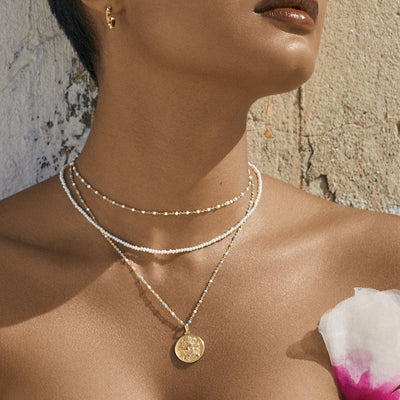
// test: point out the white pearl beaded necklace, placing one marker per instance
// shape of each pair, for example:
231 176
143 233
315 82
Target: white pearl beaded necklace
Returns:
105 233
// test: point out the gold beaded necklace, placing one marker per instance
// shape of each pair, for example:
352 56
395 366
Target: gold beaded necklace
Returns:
156 212
189 348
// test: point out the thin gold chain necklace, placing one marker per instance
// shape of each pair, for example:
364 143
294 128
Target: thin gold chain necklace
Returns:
189 348
116 203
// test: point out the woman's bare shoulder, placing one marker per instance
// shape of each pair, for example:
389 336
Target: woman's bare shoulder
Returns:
27 213
364 240
48 252
306 204
37 219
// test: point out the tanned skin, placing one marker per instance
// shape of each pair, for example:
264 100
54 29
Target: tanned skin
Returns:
176 82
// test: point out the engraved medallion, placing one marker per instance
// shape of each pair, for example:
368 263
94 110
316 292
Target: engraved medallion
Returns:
189 348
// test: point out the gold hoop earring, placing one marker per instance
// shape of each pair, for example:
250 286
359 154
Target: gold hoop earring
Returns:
268 113
109 18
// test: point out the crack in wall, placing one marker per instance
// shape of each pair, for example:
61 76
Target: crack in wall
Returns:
301 129
306 151
324 185
305 175
321 181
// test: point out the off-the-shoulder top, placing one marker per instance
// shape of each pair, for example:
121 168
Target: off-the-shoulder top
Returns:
362 336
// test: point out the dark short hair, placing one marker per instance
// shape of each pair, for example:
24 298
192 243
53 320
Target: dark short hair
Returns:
74 21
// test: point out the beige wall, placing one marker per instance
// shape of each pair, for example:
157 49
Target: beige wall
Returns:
338 136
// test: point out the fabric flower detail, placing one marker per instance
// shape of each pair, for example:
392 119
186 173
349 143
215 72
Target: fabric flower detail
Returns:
362 336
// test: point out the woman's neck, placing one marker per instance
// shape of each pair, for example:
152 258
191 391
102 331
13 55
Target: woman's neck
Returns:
170 145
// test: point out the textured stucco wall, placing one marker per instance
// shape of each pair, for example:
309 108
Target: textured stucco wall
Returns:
45 97
337 137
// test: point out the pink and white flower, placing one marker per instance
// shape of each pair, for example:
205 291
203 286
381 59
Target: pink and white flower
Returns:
362 336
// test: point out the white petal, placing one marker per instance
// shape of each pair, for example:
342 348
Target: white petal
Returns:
362 336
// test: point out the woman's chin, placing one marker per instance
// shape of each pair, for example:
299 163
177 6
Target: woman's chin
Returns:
286 81
284 70
295 79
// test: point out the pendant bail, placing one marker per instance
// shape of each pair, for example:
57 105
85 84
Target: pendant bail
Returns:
187 332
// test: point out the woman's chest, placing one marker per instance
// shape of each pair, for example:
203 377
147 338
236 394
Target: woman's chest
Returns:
103 364
120 345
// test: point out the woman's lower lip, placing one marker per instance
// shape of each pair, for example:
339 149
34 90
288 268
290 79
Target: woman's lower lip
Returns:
291 15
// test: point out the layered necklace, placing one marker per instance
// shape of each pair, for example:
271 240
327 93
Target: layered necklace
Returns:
189 347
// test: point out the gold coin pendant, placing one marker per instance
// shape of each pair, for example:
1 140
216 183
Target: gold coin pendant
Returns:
189 348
